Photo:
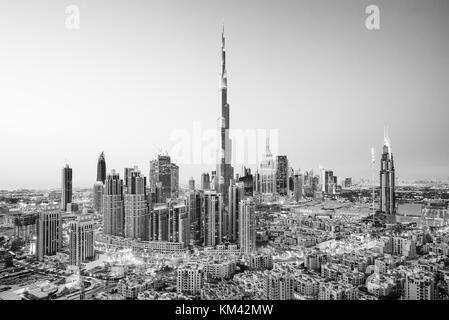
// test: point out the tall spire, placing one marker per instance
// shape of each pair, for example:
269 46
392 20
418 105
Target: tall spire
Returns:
387 142
267 145
223 76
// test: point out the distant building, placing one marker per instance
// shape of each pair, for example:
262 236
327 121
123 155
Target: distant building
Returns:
348 182
169 222
195 211
248 182
279 286
329 182
166 173
297 186
101 168
158 224
387 182
337 291
261 261
220 269
97 195
213 222
113 207
224 169
189 279
247 226
81 240
282 175
205 181
66 190
191 184
136 206
420 286
267 170
49 234
236 193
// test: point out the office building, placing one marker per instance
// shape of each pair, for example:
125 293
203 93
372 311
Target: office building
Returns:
49 234
195 210
236 194
247 226
113 206
191 184
97 195
267 171
298 186
101 168
213 218
66 190
282 175
81 240
387 182
136 206
205 181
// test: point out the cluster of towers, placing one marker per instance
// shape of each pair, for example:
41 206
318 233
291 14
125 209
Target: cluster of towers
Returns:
221 210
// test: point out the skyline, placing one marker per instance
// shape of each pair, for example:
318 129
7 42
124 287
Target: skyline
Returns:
295 77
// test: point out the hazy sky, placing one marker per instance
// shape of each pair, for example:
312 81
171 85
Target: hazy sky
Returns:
138 70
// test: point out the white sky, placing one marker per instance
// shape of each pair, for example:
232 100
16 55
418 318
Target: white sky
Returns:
138 70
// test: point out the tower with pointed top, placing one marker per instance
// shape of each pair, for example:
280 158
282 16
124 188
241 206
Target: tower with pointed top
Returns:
99 184
225 171
387 181
101 168
267 170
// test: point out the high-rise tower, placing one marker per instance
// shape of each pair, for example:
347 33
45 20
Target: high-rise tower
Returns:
113 205
136 206
387 196
66 192
247 226
225 172
49 233
101 168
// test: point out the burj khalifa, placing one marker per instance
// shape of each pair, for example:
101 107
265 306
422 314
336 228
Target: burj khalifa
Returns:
225 171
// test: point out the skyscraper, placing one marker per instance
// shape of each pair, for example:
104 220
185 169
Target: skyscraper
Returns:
191 184
81 240
267 170
174 180
49 233
158 222
99 184
248 182
98 195
387 183
329 182
205 181
163 171
113 205
101 168
297 186
225 172
213 218
136 206
194 207
247 226
282 175
236 193
126 175
66 192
